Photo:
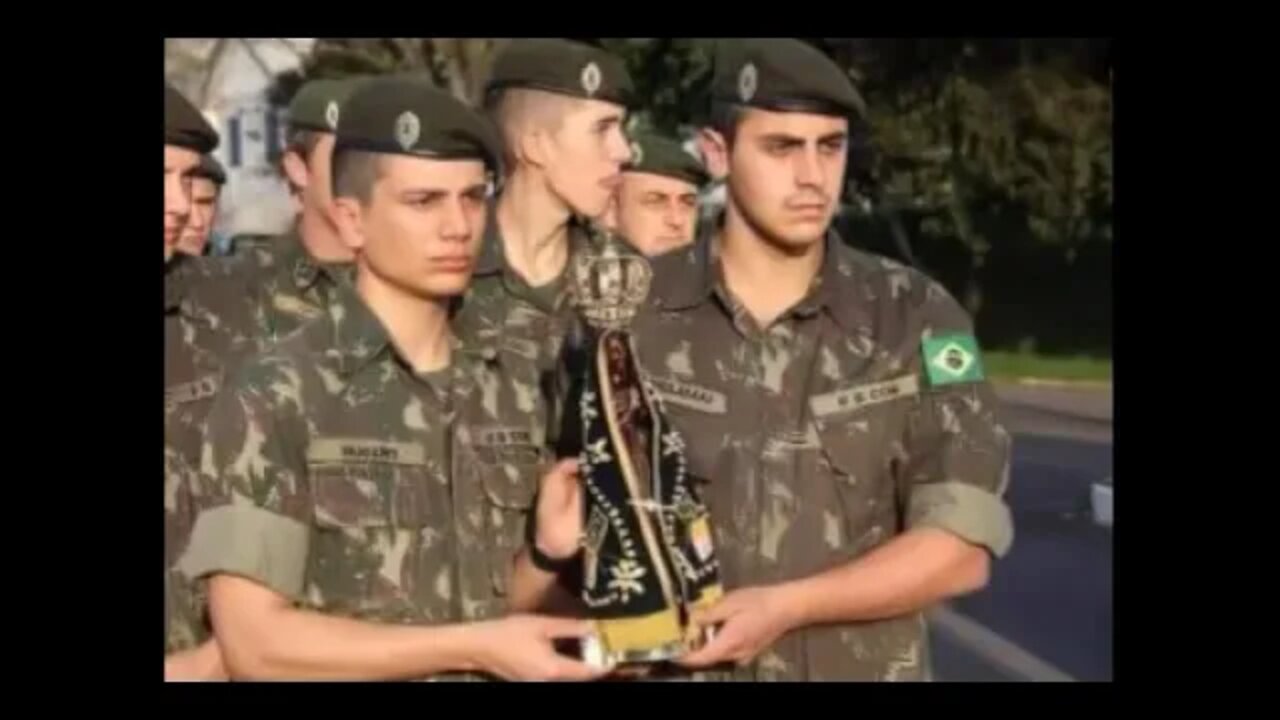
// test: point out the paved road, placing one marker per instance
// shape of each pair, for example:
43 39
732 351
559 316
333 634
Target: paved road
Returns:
1047 612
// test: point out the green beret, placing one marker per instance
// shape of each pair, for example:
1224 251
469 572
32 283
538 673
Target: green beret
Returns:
211 169
184 126
663 156
561 66
317 105
782 74
404 116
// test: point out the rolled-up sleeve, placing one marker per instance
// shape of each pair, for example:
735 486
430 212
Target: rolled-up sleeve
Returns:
255 506
958 451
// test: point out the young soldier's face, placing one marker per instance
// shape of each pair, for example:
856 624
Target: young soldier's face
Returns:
204 207
178 164
656 213
786 171
420 231
585 154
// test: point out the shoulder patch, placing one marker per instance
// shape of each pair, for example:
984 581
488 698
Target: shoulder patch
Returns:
951 359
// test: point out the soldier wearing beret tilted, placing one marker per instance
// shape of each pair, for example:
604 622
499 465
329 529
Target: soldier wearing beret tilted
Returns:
368 478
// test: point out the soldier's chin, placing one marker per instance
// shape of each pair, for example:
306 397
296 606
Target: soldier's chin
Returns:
591 205
799 237
446 285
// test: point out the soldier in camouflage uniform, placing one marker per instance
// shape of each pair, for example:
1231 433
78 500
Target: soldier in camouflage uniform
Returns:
833 402
656 208
206 185
291 277
368 477
560 108
197 339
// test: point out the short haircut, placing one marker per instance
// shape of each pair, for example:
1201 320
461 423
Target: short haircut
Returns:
515 109
303 142
725 118
354 173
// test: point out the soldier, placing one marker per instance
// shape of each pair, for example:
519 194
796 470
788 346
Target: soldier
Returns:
193 340
833 402
290 278
369 475
560 108
206 185
656 208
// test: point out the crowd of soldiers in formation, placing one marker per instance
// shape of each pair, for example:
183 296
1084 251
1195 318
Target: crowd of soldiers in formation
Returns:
361 415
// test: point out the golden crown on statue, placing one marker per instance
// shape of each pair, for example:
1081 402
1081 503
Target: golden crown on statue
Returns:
609 285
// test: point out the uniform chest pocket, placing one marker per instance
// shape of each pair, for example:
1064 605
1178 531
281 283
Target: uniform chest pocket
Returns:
860 425
860 431
510 463
374 549
358 485
701 417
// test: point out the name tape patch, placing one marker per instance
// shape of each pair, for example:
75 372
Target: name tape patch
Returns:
349 450
861 396
694 397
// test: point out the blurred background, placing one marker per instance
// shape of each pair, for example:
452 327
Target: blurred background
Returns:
986 163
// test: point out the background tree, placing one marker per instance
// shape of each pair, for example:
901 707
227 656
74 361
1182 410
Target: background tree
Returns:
986 162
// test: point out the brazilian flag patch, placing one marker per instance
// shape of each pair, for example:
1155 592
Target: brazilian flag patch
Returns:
952 359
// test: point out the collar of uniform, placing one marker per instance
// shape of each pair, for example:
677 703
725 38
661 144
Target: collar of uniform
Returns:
358 334
686 277
175 281
690 276
359 337
839 292
294 260
491 260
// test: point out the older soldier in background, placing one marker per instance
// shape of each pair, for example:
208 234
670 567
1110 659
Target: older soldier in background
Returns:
368 489
195 341
656 208
206 185
833 401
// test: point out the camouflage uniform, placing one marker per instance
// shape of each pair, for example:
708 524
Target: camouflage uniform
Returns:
206 325
335 475
501 309
371 492
500 306
821 438
290 288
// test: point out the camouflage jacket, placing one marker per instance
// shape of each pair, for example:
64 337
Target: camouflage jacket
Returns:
287 286
370 491
857 415
206 326
501 309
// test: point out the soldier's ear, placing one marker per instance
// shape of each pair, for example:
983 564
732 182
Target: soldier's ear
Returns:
715 152
535 145
295 169
348 214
